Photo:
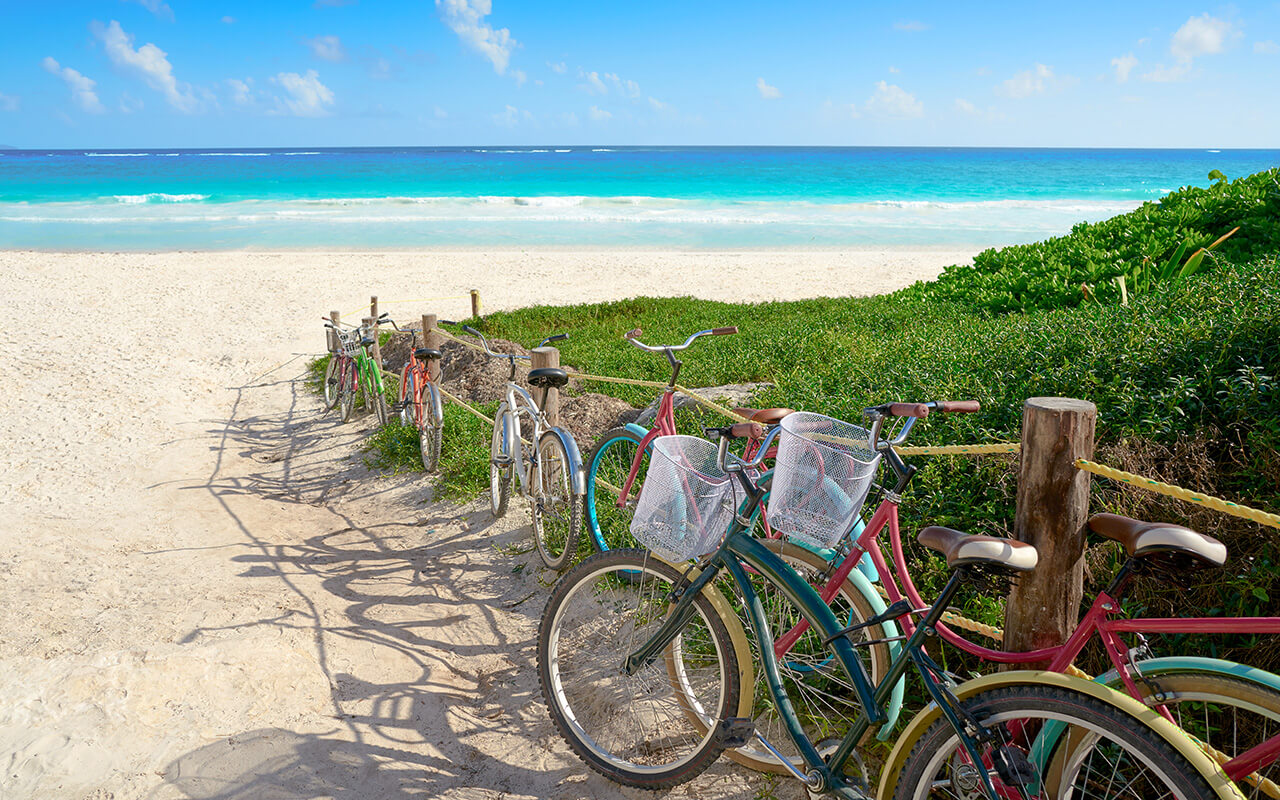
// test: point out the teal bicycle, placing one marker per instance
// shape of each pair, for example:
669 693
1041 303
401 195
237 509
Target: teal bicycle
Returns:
644 676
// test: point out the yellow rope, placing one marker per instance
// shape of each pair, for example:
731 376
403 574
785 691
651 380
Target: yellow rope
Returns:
419 300
1208 501
605 379
959 449
464 404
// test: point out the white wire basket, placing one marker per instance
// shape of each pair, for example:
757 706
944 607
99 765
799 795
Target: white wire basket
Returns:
687 501
349 343
821 478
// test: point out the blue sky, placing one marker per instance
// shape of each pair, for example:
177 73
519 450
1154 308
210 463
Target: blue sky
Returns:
157 73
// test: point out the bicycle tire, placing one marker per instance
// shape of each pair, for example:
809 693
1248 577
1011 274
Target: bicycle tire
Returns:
347 384
330 385
608 526
409 400
499 476
1093 731
558 541
594 707
376 395
431 434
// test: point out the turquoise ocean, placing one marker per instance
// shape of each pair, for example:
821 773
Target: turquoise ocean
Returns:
659 197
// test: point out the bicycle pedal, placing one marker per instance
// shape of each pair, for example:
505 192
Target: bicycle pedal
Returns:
735 732
1012 766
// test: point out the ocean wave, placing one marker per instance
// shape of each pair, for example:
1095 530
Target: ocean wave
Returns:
157 197
602 150
564 151
233 154
304 153
115 155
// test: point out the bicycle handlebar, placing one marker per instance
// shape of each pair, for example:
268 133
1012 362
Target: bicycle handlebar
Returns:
912 412
490 350
633 336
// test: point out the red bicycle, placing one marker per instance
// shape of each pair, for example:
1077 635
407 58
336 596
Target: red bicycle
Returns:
420 404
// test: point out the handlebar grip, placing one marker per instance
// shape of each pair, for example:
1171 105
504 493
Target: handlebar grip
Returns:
959 406
634 333
746 430
471 330
724 331
445 322
383 314
559 337
918 410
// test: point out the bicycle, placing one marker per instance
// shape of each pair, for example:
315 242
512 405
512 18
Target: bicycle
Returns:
420 404
642 677
550 473
1202 694
619 458
355 371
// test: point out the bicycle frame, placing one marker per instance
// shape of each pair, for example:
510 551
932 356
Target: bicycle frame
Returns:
424 391
1101 620
520 403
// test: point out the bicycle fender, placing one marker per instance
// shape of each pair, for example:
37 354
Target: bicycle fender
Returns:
636 429
437 407
1170 665
575 459
1222 786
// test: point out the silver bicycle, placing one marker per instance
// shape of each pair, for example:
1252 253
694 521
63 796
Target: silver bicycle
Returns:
547 463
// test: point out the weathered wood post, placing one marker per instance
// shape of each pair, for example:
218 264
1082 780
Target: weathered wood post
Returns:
1053 507
331 336
547 357
475 303
431 338
377 348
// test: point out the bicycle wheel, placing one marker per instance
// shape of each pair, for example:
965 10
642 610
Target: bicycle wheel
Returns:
607 469
408 397
431 433
822 694
347 389
374 394
1225 713
500 458
1100 752
330 385
632 728
557 511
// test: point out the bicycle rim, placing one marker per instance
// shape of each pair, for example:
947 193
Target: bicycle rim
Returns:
500 476
431 434
633 728
1100 753
330 386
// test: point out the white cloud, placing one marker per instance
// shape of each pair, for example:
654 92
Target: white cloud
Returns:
569 119
328 48
148 62
893 101
241 91
593 83
307 96
82 88
1124 65
623 87
229 20
1268 47
508 118
440 113
1200 36
658 105
129 103
157 7
910 26
1163 74
894 70
9 102
599 115
466 19
1036 80
965 106
559 69
519 76
766 91
839 111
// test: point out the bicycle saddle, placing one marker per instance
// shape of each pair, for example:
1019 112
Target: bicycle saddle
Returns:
960 549
366 342
765 416
425 353
1141 539
548 378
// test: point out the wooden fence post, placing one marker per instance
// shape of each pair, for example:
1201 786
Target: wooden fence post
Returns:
475 303
331 336
377 348
547 357
1053 507
431 338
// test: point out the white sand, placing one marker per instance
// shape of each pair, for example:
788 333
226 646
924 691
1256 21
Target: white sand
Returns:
203 593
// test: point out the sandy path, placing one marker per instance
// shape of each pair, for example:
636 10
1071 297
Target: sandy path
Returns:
204 594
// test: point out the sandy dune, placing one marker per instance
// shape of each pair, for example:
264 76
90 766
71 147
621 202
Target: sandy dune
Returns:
205 594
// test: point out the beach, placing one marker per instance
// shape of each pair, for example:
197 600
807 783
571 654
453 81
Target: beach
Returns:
206 593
